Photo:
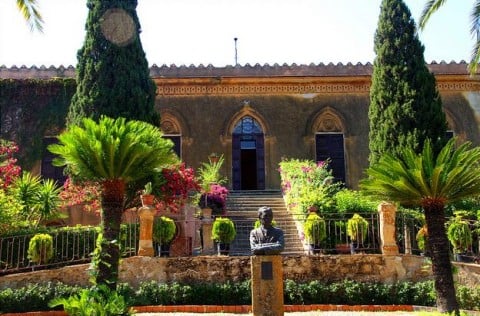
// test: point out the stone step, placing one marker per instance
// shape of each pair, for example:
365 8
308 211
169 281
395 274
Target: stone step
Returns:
243 207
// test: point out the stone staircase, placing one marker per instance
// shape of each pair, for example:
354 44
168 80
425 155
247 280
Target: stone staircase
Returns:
242 208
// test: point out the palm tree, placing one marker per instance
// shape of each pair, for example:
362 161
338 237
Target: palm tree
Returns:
30 12
114 152
430 182
432 6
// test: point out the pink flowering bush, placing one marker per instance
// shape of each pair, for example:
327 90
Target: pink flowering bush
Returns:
85 193
9 170
306 183
215 199
173 187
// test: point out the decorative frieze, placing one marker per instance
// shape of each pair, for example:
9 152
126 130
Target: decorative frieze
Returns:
259 89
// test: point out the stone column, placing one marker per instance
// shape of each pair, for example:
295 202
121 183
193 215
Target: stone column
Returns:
207 223
145 244
387 228
267 285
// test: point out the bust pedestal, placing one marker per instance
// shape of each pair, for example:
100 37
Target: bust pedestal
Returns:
267 285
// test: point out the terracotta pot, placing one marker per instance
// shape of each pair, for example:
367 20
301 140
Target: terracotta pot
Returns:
342 248
147 199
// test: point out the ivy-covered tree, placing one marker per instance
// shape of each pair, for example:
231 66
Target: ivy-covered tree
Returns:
113 76
405 106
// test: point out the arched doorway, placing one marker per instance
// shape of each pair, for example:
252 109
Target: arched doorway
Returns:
248 155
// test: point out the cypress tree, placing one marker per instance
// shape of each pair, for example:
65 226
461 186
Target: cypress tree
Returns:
113 77
405 106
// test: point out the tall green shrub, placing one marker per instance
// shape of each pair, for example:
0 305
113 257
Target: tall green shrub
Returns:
113 80
40 248
405 106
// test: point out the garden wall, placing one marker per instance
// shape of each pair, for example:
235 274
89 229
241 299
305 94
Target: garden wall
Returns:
219 269
134 270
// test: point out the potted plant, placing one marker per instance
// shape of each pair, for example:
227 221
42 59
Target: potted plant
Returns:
40 248
215 199
357 229
213 194
147 197
223 233
460 236
214 157
164 230
209 173
315 232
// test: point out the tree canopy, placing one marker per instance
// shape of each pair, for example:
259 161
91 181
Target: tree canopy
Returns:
405 106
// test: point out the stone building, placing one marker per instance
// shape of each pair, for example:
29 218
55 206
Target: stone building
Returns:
257 115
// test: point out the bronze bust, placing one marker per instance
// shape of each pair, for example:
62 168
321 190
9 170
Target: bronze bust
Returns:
267 239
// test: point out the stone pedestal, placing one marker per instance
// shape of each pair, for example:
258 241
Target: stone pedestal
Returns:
387 228
267 285
207 248
145 245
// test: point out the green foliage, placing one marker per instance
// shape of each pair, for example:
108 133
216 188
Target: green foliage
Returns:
112 149
422 238
405 106
306 183
451 176
36 297
350 201
360 293
40 248
459 233
10 209
468 297
45 101
314 229
148 188
357 228
33 297
112 80
99 300
209 173
223 230
39 198
164 230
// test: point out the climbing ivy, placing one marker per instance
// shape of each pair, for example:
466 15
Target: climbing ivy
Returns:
32 109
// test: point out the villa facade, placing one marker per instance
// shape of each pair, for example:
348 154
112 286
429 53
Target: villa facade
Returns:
258 115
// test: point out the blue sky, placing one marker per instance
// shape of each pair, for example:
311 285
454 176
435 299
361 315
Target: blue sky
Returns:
185 32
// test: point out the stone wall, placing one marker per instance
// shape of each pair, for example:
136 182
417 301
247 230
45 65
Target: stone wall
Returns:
134 270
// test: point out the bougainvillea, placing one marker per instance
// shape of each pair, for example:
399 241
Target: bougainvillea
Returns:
215 199
85 193
177 182
9 171
172 187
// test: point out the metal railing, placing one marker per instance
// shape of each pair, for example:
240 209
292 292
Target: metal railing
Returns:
75 245
70 246
407 228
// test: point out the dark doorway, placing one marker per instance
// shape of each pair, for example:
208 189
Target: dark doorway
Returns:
331 146
248 155
248 160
